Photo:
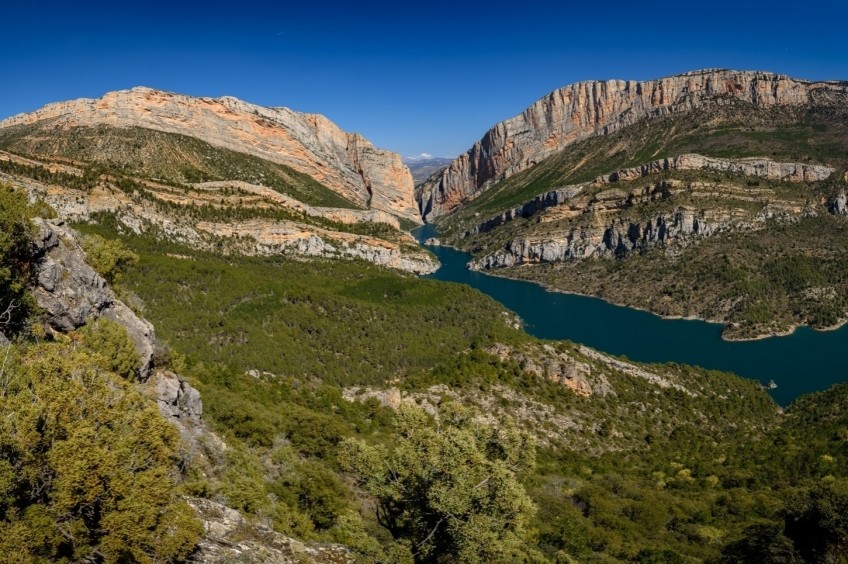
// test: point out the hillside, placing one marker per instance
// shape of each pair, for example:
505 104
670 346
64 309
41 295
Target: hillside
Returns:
218 174
719 196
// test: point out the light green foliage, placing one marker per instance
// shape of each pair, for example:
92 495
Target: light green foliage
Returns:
86 466
451 488
109 257
113 346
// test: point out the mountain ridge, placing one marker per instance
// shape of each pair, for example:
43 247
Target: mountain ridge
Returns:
309 143
594 108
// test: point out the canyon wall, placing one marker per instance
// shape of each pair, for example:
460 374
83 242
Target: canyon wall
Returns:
592 108
309 143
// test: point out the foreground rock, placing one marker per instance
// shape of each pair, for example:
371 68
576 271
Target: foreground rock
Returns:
230 539
71 293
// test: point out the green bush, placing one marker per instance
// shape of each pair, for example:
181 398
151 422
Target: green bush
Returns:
86 466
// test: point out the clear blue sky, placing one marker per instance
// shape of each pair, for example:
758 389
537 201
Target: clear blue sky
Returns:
412 77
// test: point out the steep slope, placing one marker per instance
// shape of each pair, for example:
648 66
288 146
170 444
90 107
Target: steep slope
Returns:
217 174
309 143
724 207
595 108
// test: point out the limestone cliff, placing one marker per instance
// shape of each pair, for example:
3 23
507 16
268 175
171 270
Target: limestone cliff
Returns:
266 223
344 162
594 108
607 200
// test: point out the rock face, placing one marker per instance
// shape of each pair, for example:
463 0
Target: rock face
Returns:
71 293
758 167
230 538
177 400
251 236
344 162
587 109
616 240
838 205
619 199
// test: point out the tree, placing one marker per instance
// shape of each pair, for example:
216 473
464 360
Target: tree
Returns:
762 542
817 521
16 234
449 487
87 466
109 257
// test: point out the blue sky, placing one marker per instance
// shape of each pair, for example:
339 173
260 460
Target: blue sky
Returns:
412 77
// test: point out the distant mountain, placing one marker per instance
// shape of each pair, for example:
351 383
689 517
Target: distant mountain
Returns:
424 165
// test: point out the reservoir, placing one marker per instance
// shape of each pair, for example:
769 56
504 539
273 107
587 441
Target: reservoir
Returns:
804 362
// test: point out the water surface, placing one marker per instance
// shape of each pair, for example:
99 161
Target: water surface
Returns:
803 362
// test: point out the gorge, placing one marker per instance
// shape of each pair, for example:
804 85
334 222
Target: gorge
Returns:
799 363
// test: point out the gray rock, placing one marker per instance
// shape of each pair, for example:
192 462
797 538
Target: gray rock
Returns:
71 293
3 340
839 204
177 399
231 538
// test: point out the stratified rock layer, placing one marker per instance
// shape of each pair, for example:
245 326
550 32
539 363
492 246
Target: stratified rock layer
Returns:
587 109
344 162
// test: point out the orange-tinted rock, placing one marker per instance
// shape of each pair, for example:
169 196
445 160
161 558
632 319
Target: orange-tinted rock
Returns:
344 162
587 109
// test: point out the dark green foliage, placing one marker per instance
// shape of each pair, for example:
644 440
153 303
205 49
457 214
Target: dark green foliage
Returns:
762 543
817 521
450 488
16 233
109 257
649 476
113 347
349 322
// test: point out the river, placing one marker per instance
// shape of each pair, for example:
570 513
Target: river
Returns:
806 361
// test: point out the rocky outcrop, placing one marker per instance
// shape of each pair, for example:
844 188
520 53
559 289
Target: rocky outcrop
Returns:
838 205
230 538
593 108
252 237
617 199
344 162
177 400
757 167
71 293
339 215
554 198
268 237
556 366
617 239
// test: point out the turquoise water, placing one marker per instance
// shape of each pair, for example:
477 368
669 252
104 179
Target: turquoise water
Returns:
803 362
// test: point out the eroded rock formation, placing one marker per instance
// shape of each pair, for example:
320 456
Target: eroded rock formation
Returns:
592 108
344 162
71 293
